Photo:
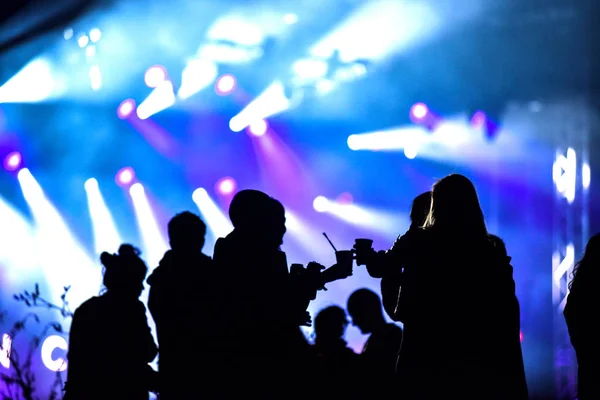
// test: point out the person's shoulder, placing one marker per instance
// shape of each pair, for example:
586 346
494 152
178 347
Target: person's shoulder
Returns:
163 267
91 303
89 307
206 260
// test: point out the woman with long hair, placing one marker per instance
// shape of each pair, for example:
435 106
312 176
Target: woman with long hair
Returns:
581 314
110 344
456 302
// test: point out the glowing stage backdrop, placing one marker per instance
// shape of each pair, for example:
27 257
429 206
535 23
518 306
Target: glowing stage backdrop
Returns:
343 110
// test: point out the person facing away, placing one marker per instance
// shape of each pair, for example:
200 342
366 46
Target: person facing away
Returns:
110 344
456 302
184 306
380 351
337 370
581 314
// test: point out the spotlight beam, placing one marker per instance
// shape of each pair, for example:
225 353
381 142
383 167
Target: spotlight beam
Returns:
160 99
365 217
106 236
64 260
154 242
216 220
270 102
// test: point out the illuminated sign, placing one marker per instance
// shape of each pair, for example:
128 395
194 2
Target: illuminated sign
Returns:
50 344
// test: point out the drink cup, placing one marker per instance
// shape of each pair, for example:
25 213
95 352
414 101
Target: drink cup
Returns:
345 259
363 247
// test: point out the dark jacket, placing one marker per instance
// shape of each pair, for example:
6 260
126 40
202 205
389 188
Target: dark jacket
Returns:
184 301
263 308
110 348
461 317
581 314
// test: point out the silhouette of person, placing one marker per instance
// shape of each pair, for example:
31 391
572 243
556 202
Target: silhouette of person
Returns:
265 304
456 302
337 369
380 351
262 314
184 304
581 313
511 356
110 344
392 281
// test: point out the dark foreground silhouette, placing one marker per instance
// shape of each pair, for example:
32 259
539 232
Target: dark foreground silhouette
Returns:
110 343
380 351
185 305
581 313
230 327
457 303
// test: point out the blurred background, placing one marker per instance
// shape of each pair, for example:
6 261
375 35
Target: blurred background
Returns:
115 115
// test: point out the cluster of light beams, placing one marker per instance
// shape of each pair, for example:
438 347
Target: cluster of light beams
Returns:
365 34
216 220
365 217
65 262
106 236
452 140
270 102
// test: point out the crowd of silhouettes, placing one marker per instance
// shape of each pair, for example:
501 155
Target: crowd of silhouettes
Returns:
230 326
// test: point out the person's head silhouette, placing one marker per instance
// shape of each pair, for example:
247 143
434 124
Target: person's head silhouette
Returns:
587 270
259 217
330 324
421 206
365 309
187 232
125 271
249 210
455 207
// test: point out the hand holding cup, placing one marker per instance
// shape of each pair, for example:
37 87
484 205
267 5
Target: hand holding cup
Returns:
363 248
